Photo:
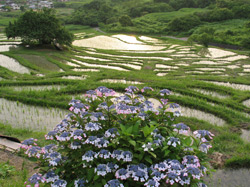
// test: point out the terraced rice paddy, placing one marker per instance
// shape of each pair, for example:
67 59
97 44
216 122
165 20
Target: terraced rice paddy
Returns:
213 90
36 88
30 117
12 65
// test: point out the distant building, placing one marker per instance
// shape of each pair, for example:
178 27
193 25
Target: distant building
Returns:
32 6
14 6
44 4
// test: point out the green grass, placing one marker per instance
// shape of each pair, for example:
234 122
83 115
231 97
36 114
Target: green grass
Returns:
21 134
168 16
40 62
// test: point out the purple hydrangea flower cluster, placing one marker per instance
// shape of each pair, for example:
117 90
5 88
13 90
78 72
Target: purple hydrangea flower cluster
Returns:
119 138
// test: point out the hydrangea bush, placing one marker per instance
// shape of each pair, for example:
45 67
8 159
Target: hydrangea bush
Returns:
116 141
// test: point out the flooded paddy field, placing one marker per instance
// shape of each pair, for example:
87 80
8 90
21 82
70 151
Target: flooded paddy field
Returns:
12 65
117 60
30 117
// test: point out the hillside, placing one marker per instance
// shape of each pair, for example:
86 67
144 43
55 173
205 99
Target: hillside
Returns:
221 21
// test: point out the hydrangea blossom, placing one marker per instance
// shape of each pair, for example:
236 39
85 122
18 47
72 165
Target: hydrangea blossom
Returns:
113 132
173 141
59 183
191 160
75 145
140 175
27 143
92 126
78 134
80 182
122 174
36 178
50 176
103 153
104 91
101 169
152 183
114 183
165 92
146 88
33 151
91 94
147 147
195 172
204 135
205 147
89 156
181 128
65 136
132 89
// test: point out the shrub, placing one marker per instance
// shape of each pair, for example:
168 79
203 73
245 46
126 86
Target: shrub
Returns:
108 141
125 21
184 23
217 14
242 11
203 39
246 42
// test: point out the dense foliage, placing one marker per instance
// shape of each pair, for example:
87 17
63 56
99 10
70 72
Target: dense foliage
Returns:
91 14
39 27
121 141
167 16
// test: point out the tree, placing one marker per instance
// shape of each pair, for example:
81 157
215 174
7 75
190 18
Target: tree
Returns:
125 21
22 8
40 27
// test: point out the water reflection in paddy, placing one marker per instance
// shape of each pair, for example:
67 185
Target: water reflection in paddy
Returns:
32 117
120 81
92 58
100 66
127 39
105 42
212 93
229 178
246 103
74 77
37 88
86 70
12 65
134 57
232 85
128 65
4 48
245 135
188 112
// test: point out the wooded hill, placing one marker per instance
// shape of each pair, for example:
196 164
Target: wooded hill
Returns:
221 21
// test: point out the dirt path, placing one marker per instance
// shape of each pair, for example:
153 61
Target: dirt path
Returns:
99 30
173 37
17 161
